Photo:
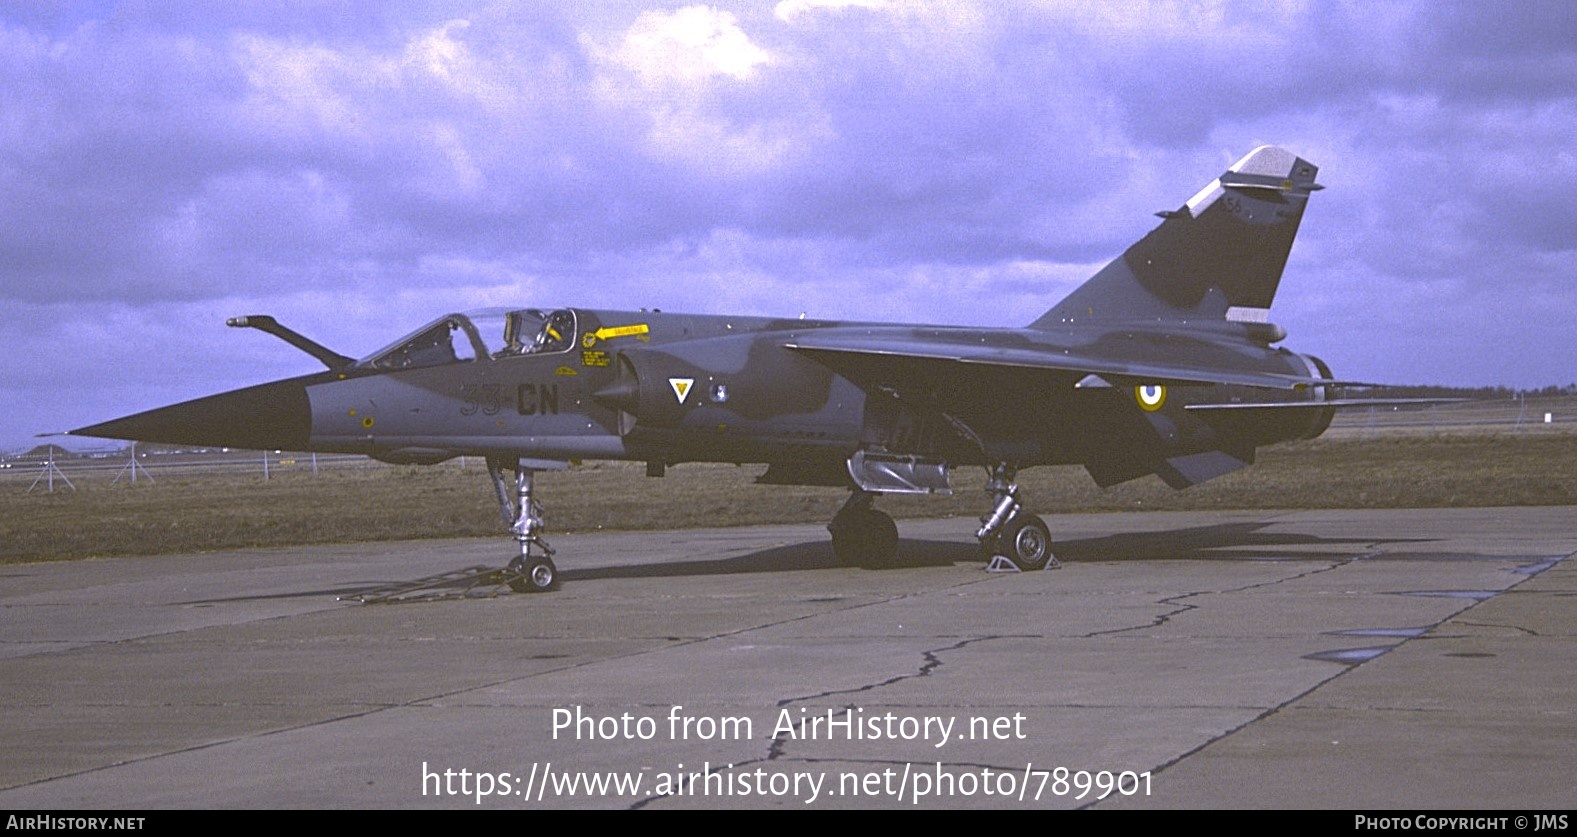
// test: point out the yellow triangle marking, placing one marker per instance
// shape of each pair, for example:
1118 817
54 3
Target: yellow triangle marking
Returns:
681 387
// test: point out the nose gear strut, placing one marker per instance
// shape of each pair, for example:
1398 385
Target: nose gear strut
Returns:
532 571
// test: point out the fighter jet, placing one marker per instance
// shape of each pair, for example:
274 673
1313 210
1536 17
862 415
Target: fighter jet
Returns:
1164 362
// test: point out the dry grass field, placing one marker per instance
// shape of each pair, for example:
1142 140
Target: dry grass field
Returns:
1365 462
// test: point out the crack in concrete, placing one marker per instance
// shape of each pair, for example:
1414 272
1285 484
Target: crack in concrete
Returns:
1184 607
931 663
777 748
1518 628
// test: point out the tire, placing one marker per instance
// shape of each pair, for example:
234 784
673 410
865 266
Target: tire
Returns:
533 575
1026 541
864 538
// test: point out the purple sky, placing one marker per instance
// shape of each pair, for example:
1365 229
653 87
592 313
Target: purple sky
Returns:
356 169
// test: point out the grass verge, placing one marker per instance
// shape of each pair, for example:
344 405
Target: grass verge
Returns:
227 510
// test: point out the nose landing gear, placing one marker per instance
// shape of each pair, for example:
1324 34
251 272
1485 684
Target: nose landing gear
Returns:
533 570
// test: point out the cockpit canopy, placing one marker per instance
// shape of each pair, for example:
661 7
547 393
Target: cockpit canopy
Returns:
492 332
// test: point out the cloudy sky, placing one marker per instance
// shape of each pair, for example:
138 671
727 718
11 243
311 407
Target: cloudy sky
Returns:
358 168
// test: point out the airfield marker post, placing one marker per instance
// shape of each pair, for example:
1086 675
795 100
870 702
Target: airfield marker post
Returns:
49 470
133 467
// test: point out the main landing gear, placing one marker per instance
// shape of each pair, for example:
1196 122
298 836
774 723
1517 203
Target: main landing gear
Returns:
865 537
1009 530
532 571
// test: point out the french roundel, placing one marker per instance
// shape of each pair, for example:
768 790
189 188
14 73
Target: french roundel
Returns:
1151 397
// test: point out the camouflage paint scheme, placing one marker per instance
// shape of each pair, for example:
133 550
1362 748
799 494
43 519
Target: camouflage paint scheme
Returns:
1164 362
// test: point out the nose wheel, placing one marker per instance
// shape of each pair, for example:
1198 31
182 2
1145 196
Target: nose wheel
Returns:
536 574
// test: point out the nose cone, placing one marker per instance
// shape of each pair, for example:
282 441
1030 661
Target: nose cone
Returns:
275 415
624 394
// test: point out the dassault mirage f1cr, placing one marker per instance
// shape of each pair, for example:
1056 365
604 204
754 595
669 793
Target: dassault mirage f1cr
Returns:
1162 363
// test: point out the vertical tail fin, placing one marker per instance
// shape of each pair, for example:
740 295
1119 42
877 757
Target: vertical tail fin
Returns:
1223 249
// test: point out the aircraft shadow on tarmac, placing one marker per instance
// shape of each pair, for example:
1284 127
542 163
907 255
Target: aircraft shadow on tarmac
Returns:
1217 542
1200 543
1246 541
